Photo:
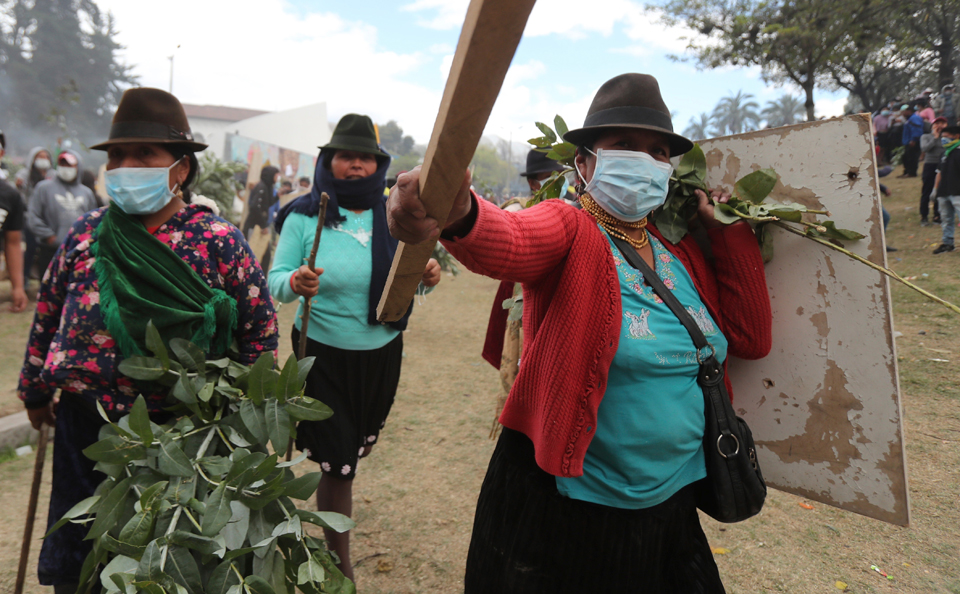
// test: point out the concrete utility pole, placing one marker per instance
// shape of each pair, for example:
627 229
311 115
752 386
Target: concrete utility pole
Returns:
171 73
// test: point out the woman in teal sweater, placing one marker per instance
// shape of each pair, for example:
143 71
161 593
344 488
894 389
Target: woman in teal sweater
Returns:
357 366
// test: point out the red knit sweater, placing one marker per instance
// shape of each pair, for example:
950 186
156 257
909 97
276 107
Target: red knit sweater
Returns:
572 313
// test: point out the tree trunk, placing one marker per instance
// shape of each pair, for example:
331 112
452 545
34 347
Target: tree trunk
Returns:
946 69
808 90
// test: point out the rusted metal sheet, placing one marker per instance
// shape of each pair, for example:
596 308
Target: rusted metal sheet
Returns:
824 406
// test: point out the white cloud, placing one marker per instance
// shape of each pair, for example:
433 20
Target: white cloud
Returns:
449 13
829 107
276 60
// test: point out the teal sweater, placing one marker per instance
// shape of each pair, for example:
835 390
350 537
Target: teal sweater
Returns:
338 316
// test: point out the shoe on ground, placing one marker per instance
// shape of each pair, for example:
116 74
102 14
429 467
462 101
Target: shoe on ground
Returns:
891 249
924 222
943 247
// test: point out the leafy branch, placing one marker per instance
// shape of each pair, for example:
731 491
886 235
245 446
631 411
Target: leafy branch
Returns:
199 504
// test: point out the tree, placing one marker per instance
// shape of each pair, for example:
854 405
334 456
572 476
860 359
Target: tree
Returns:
790 40
217 180
932 27
700 129
393 140
59 69
736 113
784 111
491 174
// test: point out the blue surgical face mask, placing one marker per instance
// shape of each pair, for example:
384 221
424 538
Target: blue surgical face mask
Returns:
945 141
140 190
628 184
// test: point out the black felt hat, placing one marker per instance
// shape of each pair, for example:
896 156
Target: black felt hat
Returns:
629 101
151 116
355 132
538 163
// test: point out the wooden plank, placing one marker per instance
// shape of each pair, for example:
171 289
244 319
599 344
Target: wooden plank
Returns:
489 38
824 406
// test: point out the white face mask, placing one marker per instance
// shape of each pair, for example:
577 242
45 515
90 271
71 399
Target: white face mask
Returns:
42 163
628 184
67 174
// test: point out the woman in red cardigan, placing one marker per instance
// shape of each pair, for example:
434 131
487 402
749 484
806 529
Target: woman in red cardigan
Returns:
590 488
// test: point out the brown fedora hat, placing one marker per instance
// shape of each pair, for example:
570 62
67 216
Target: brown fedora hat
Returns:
150 116
629 101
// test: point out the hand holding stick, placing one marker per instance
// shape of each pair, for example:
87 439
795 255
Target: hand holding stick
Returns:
32 508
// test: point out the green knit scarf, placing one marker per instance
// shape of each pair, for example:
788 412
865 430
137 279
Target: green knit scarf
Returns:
142 279
950 147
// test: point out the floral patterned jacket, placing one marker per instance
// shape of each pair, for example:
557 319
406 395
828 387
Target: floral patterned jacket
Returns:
70 347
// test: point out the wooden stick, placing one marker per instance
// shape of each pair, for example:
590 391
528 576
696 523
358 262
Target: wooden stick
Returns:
32 508
311 263
490 35
305 319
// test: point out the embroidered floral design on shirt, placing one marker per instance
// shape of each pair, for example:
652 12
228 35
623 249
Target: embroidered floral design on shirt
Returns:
639 328
361 235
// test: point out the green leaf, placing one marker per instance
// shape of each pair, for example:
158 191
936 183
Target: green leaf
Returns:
547 132
235 532
257 585
222 578
310 572
794 216
140 421
80 509
217 512
149 587
182 567
296 460
254 420
181 490
149 568
185 390
560 126
336 582
235 437
331 520
142 368
303 369
110 509
172 461
693 166
278 425
541 141
243 463
305 408
189 354
203 544
288 385
262 380
139 530
303 487
725 213
155 344
216 465
756 186
206 392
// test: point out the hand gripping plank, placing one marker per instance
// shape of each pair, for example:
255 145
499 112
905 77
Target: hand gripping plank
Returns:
490 35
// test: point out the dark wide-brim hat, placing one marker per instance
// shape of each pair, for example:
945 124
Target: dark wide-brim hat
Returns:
629 101
150 116
538 163
355 132
952 129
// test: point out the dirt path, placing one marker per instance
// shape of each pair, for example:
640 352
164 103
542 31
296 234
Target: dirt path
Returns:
415 495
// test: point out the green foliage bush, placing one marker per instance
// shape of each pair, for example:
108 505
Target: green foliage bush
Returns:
199 504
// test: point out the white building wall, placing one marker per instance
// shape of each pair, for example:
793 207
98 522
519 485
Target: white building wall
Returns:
302 129
213 133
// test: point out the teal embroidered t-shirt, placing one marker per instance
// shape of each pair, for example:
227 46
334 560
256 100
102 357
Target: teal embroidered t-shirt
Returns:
649 439
338 316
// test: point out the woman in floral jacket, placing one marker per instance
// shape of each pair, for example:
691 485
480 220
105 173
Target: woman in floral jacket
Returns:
152 251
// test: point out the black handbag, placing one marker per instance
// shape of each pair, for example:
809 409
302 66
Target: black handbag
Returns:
734 489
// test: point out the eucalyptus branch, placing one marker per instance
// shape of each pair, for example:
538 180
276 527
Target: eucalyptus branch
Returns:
814 226
876 267
225 440
193 520
246 492
206 443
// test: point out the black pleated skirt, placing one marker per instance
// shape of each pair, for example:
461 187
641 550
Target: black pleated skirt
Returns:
528 538
360 387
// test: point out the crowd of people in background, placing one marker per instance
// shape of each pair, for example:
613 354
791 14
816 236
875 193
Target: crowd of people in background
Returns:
922 130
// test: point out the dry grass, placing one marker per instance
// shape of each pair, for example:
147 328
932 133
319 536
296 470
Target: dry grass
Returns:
415 495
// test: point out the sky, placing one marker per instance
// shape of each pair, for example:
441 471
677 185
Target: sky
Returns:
390 59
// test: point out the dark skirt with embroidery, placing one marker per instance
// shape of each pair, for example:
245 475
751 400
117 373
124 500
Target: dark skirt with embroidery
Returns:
527 538
360 387
78 426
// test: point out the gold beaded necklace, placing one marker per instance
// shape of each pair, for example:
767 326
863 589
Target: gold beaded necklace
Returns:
613 225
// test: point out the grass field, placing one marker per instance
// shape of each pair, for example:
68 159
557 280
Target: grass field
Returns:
415 494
